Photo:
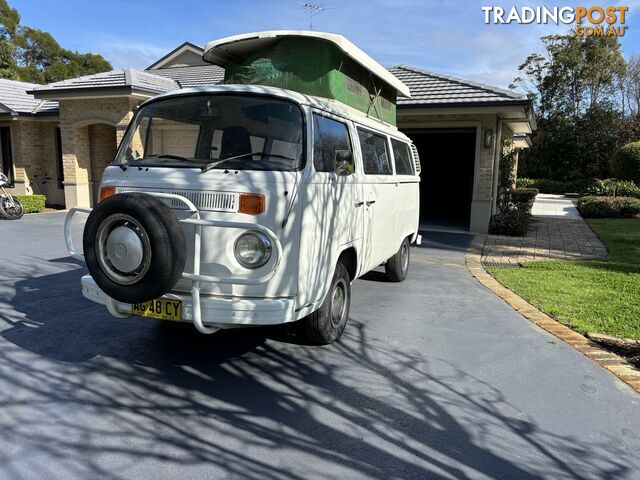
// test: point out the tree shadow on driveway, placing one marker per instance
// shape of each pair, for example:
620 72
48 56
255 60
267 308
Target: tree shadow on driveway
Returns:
91 396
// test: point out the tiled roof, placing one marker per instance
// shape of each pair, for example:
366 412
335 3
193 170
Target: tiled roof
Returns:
15 99
429 89
194 76
136 79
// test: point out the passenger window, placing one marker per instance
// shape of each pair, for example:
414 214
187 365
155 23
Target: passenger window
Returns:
329 137
402 155
375 154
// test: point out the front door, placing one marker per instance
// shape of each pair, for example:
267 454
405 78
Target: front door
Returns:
337 203
6 165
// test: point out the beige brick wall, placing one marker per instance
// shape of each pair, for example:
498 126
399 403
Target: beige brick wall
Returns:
91 131
34 158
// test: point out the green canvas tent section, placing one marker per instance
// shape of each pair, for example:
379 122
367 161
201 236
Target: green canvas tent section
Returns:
310 63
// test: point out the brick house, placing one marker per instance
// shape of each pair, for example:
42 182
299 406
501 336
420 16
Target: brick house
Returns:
56 139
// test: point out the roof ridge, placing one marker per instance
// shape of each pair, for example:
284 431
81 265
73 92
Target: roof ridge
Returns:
18 81
75 79
463 81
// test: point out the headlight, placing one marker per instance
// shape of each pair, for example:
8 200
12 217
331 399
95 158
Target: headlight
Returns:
252 249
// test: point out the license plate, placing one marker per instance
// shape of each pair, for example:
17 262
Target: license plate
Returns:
161 308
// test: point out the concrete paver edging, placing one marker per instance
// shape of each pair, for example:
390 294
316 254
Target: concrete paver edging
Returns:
612 362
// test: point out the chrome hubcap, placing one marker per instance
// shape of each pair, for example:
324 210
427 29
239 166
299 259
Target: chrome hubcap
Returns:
123 249
338 302
404 257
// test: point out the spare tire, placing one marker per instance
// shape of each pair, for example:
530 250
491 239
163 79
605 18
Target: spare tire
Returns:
134 247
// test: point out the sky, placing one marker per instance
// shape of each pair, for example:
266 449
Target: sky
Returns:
446 36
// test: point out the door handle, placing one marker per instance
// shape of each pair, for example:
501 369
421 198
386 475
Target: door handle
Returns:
358 204
370 202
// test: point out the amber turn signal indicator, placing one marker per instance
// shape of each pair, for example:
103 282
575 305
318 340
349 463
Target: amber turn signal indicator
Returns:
251 203
106 192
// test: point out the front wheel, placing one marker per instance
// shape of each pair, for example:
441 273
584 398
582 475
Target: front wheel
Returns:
11 208
325 325
397 266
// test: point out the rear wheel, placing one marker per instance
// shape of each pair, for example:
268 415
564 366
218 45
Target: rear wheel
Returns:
11 208
325 325
397 266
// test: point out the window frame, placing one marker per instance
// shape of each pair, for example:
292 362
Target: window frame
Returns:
304 128
387 145
343 121
411 160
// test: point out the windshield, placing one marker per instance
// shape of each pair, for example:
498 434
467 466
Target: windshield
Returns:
215 131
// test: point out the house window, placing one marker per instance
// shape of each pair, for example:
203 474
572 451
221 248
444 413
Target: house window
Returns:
329 136
6 166
59 165
375 154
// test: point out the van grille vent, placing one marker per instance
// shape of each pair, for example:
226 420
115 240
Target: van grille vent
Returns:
208 201
416 158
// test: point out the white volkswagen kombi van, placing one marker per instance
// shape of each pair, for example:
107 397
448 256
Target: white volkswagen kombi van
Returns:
241 205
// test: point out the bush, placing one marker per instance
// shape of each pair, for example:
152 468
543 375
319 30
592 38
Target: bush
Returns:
613 188
625 164
544 185
522 198
511 221
582 186
32 203
608 207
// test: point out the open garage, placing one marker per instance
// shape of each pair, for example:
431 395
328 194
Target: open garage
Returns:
460 128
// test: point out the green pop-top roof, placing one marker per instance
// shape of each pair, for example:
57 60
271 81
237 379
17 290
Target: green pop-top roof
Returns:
240 47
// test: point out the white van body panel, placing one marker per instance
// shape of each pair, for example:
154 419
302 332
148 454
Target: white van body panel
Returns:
326 214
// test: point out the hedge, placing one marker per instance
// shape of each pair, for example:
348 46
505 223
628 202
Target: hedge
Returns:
514 219
32 203
608 207
625 164
584 186
523 198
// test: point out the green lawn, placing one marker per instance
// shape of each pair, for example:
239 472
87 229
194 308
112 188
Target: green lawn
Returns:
600 296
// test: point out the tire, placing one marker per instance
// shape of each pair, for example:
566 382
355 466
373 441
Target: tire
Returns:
325 326
11 212
134 247
397 266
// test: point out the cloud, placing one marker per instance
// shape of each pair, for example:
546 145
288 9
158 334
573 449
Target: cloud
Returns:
124 54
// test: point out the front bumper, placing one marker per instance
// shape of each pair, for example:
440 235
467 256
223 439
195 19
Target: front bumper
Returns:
221 312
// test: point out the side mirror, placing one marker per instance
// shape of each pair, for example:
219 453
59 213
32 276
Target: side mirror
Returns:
343 162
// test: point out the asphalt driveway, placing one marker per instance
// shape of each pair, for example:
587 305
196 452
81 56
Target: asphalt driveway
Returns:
434 378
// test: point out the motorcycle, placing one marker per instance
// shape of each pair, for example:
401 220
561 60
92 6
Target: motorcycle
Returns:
10 206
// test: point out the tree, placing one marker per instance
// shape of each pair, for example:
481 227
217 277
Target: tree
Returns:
9 20
576 87
32 55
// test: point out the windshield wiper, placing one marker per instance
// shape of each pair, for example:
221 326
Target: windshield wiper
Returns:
212 165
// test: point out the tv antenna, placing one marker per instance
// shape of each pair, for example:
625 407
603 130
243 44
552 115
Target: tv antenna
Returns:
311 9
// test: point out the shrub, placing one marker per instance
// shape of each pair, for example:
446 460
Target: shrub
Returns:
522 198
511 221
608 207
32 203
613 188
582 186
625 164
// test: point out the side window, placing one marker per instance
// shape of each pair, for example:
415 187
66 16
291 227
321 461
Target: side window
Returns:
375 154
329 136
402 155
